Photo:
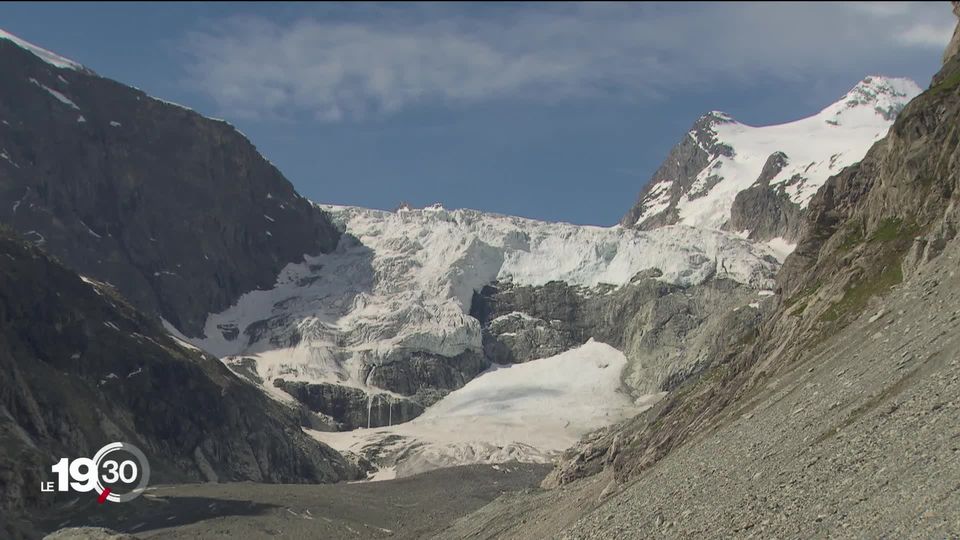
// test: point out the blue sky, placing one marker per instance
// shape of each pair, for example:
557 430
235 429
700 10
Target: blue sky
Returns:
550 111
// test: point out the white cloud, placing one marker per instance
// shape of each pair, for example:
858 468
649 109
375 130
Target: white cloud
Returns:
382 60
929 35
882 9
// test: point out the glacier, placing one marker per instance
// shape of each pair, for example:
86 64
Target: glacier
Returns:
526 412
401 281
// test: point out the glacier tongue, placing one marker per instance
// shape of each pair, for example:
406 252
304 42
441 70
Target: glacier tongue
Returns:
526 412
404 281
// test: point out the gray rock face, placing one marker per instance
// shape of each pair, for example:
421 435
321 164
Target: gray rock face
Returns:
420 373
667 332
767 213
178 211
80 368
352 408
422 378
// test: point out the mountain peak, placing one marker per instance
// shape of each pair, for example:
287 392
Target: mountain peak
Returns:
720 158
883 95
716 117
51 58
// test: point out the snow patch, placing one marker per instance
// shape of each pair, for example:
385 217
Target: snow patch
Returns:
184 107
3 154
781 247
89 230
526 412
177 336
45 55
57 95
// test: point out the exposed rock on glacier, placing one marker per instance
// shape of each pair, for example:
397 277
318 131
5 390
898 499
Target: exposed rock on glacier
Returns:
667 332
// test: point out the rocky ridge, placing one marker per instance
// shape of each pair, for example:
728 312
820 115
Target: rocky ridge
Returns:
178 211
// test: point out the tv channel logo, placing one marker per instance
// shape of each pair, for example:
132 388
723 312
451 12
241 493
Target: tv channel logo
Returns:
118 472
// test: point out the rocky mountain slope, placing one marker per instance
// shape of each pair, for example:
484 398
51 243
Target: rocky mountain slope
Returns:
838 418
178 211
758 180
428 338
80 368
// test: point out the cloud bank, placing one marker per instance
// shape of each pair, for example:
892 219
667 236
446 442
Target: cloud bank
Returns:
377 60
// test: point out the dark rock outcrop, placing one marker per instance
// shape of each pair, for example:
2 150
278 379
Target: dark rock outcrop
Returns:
352 408
79 368
178 211
421 373
667 332
767 213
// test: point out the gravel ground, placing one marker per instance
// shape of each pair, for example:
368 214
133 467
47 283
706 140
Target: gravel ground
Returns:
414 507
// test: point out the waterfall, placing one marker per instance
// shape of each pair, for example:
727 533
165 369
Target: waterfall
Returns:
390 415
369 408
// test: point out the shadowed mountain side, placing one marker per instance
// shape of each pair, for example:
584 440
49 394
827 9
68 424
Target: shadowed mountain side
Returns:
178 211
81 368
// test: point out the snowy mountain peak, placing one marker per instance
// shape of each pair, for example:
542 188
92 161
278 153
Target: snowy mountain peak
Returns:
885 96
717 117
782 165
49 57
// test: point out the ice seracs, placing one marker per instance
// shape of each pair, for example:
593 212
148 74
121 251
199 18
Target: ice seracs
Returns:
404 281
